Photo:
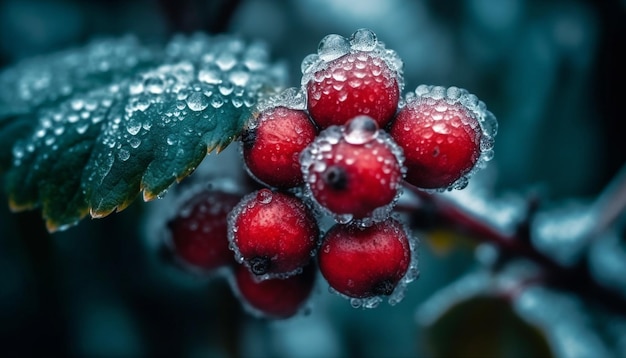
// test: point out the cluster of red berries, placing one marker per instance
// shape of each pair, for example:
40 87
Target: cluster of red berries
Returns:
339 147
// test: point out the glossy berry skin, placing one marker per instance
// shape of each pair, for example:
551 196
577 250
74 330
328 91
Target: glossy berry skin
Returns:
441 141
365 262
272 233
358 83
275 298
353 178
271 149
198 234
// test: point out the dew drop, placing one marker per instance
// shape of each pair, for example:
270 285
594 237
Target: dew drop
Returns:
360 130
441 127
363 40
18 151
154 85
134 142
239 77
142 104
339 75
197 101
134 126
264 196
237 102
226 88
217 101
77 104
487 155
180 105
454 93
332 47
123 154
308 63
210 75
225 61
81 129
136 87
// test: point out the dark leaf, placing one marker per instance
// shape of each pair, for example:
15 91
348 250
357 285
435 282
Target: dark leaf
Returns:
86 130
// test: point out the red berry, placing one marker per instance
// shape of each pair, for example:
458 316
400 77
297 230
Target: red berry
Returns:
365 262
272 148
274 298
358 83
353 170
440 138
272 233
199 232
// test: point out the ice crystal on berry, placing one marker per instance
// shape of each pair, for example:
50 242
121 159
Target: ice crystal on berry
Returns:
353 172
335 46
447 135
273 234
351 77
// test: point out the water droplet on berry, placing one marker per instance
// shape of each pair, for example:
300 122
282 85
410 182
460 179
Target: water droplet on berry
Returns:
308 62
360 130
332 47
264 196
363 40
441 127
339 75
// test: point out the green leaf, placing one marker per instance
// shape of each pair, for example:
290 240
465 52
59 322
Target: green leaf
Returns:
85 131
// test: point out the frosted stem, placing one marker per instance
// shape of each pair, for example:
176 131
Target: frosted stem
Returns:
576 279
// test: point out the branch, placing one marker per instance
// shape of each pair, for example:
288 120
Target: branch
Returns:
576 279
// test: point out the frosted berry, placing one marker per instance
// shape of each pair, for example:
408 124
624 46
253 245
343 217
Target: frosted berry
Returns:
198 234
275 297
358 83
272 146
441 139
353 170
273 234
365 262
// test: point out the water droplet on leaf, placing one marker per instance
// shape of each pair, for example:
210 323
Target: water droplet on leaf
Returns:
197 101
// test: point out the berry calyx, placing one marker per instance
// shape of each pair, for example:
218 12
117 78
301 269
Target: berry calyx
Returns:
272 233
198 233
272 146
354 170
365 262
358 83
441 137
274 297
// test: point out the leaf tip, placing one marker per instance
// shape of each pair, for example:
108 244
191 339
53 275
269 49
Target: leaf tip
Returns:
98 214
16 207
149 195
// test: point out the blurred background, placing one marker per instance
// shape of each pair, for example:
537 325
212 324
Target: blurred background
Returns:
551 72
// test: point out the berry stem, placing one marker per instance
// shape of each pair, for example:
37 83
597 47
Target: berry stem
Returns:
576 278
